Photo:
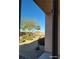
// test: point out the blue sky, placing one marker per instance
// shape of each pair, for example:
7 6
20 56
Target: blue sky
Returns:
31 11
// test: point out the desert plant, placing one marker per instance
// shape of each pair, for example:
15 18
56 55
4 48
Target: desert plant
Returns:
30 26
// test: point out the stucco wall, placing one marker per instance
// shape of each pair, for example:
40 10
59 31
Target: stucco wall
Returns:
48 33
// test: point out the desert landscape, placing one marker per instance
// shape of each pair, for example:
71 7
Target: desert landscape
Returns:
27 38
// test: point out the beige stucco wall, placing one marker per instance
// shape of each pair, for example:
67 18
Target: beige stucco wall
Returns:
48 33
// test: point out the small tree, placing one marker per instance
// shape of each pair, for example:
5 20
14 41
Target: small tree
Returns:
30 26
